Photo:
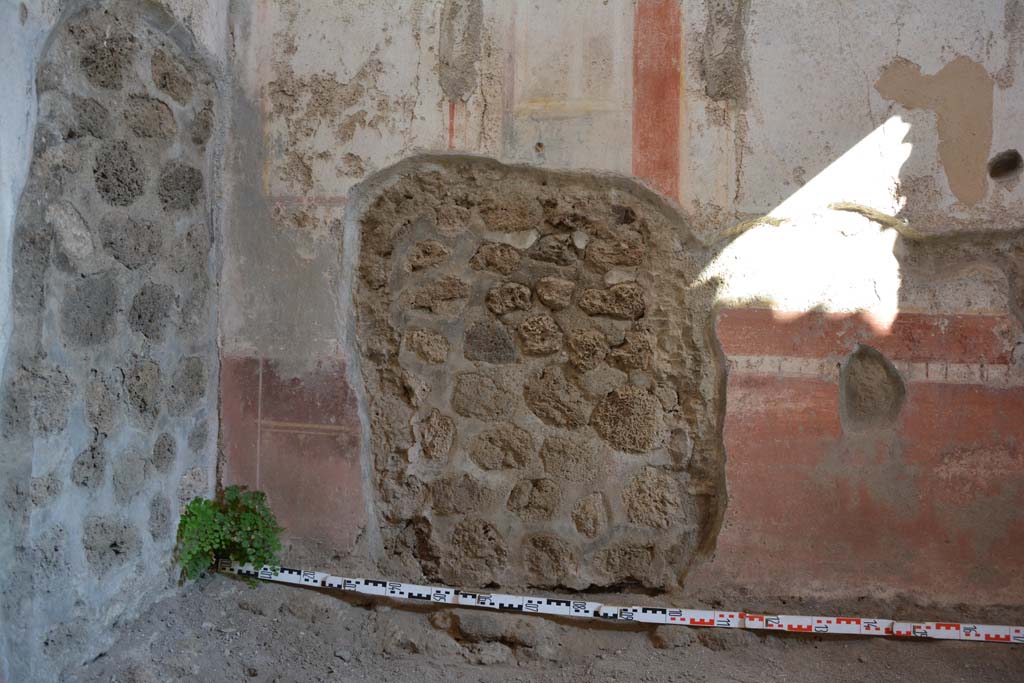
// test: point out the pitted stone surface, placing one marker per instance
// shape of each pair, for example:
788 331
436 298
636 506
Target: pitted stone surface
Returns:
109 292
179 187
556 400
91 118
148 117
540 335
458 495
110 542
437 434
534 499
652 498
508 297
489 341
555 292
630 419
171 75
119 177
134 243
550 561
87 312
502 445
549 323
590 515
501 258
151 310
429 346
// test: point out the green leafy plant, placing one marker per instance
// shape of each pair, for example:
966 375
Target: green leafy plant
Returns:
236 525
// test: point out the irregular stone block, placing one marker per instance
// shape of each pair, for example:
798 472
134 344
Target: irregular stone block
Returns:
546 288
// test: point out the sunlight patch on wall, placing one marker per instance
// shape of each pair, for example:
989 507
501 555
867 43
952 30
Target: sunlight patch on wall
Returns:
814 258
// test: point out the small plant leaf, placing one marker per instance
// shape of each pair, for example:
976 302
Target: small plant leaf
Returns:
236 524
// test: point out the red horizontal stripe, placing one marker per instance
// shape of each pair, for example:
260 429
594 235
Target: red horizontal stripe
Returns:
912 337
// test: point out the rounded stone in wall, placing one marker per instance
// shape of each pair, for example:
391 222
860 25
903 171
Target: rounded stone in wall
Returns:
630 418
102 400
187 386
87 312
179 187
458 494
534 499
540 335
199 435
556 400
142 386
202 125
497 257
106 56
109 542
130 474
119 177
871 390
479 395
159 517
500 446
134 243
590 515
489 341
509 297
165 451
148 117
89 468
476 553
555 292
437 435
91 118
550 561
652 498
572 457
430 347
151 310
587 348
627 562
622 302
171 76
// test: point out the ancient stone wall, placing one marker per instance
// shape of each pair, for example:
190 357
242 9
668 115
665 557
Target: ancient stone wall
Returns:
108 400
544 390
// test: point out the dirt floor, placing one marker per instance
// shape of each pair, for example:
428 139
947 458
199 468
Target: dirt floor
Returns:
220 629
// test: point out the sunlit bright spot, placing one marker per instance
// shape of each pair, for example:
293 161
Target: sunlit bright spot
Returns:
819 258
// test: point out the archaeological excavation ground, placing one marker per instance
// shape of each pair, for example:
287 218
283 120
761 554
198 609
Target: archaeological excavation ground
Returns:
632 340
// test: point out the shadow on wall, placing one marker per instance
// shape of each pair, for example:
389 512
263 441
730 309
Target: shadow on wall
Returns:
882 447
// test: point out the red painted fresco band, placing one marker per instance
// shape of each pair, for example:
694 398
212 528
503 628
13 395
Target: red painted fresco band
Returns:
657 94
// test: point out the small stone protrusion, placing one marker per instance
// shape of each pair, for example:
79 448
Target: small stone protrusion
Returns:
630 419
508 297
622 302
540 335
555 292
590 515
555 400
490 342
497 257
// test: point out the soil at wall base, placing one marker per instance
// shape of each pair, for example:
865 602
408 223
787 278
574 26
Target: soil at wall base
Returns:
220 629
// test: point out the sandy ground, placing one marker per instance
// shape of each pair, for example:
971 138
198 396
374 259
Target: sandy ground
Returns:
221 629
